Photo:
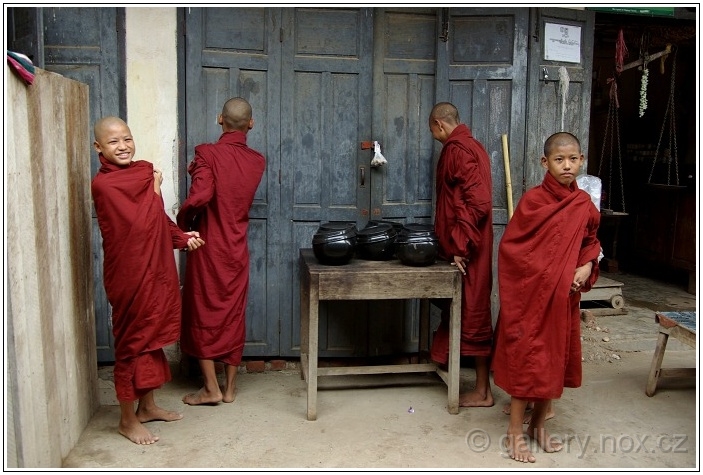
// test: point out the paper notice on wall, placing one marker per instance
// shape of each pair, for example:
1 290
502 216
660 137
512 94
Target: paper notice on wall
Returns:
562 43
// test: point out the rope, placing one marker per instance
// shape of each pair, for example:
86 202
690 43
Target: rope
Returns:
564 91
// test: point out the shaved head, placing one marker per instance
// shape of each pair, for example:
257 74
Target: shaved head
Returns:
560 139
106 123
236 114
446 112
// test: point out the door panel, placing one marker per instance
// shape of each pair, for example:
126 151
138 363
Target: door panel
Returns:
404 92
325 115
486 59
235 52
545 107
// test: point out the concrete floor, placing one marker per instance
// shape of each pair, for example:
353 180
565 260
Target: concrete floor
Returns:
401 421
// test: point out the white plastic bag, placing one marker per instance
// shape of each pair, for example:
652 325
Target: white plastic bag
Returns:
592 185
378 158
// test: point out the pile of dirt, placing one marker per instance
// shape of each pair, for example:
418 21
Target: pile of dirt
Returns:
594 340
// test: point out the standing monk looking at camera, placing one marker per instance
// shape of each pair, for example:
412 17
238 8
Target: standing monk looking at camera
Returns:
139 274
225 176
464 226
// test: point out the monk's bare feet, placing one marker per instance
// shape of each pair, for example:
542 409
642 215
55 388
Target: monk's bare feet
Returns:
203 397
137 433
476 399
528 410
228 396
528 417
157 414
548 443
517 448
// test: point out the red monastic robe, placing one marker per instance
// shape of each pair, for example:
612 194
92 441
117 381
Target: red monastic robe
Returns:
225 176
139 273
538 333
464 226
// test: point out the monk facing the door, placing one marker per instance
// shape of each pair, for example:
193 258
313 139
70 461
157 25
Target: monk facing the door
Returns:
464 226
225 176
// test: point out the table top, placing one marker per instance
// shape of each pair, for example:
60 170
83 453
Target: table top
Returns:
685 320
368 280
392 266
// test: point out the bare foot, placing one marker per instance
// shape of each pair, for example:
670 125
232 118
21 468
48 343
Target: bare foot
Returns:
517 448
157 414
228 396
548 443
202 397
137 433
475 399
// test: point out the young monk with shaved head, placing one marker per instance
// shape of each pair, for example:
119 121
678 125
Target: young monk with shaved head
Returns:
225 176
547 256
139 273
464 226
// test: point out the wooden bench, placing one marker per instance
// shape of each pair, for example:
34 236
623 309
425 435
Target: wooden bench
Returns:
373 280
682 326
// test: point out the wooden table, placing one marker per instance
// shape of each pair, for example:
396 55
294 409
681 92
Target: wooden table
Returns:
682 326
372 280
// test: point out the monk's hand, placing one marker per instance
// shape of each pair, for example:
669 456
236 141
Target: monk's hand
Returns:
158 179
460 263
194 241
581 275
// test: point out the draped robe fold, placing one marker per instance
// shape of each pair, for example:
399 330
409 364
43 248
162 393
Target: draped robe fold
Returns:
225 176
537 351
464 227
139 274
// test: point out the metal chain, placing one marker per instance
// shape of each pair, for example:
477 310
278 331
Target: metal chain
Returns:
673 151
612 131
622 183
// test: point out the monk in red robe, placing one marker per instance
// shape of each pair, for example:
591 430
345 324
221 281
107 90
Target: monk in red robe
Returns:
546 258
140 275
464 227
225 176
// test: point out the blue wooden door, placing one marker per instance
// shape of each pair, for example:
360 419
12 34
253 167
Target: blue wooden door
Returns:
327 80
84 44
236 52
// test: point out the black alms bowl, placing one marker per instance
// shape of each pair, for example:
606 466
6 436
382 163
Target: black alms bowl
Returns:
334 245
417 245
376 243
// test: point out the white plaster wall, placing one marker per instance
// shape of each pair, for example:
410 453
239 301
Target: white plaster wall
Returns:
152 92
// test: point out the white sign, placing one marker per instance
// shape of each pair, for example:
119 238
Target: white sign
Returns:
562 43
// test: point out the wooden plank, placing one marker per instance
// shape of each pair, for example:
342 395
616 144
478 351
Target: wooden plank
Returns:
655 367
377 369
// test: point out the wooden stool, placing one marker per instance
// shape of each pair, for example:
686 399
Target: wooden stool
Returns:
680 325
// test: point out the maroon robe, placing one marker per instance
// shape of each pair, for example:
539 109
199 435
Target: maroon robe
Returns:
464 226
225 176
538 334
139 273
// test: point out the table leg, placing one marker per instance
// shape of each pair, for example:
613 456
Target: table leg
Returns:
312 341
657 359
454 354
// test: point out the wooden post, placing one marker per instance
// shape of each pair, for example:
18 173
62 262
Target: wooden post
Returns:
508 183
